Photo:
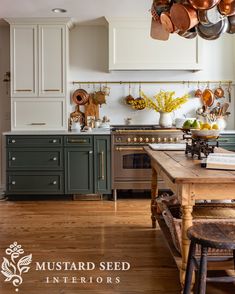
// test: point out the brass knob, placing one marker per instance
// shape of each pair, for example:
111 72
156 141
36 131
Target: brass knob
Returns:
128 140
140 139
13 158
170 139
54 141
159 140
135 139
54 182
176 139
13 182
54 158
146 140
153 139
13 141
165 139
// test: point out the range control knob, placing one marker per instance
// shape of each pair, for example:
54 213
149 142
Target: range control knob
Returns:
176 139
164 139
129 140
147 140
153 139
159 140
140 139
135 139
118 139
171 140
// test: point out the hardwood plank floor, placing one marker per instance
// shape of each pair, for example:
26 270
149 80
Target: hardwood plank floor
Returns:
90 231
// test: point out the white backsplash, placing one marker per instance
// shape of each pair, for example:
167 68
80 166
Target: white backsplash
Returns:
89 62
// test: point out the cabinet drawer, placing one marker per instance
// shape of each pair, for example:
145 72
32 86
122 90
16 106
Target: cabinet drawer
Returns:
35 183
34 141
78 140
34 159
38 114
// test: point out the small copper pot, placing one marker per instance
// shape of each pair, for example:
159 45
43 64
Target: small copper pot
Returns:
183 16
202 4
167 22
219 92
80 97
226 9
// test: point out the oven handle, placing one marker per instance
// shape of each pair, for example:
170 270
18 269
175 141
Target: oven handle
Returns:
129 148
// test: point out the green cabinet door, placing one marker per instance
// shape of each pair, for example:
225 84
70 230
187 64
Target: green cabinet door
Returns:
102 161
79 170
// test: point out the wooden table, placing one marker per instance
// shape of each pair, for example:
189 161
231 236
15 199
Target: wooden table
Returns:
190 182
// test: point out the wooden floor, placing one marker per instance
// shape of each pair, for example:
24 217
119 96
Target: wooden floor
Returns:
90 231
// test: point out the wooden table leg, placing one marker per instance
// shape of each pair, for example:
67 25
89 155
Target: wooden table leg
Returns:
154 194
187 221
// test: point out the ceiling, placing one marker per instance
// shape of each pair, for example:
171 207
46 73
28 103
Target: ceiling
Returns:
81 11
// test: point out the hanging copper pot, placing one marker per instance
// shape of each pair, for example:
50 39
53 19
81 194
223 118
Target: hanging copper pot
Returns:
157 31
226 9
166 22
219 92
202 4
207 97
183 16
80 97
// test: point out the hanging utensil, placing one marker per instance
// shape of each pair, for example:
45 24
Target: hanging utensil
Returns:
229 92
157 31
212 32
166 22
198 92
224 107
129 99
226 9
210 16
207 97
219 92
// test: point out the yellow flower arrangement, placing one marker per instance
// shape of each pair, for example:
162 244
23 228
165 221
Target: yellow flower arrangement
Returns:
165 101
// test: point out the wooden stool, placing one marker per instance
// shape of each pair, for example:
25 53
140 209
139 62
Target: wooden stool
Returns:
207 235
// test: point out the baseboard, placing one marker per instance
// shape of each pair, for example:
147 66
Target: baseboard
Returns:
87 197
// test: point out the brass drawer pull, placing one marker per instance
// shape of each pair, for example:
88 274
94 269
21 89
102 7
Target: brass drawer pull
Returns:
54 182
77 141
54 158
90 152
129 149
13 182
52 90
54 141
38 124
101 165
13 141
24 90
13 159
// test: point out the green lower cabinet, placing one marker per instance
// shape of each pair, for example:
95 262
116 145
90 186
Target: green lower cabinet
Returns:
79 170
35 183
102 161
227 141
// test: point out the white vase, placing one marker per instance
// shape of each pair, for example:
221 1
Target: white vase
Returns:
221 122
165 120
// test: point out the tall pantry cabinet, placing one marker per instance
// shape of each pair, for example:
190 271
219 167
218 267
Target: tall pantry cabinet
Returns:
39 61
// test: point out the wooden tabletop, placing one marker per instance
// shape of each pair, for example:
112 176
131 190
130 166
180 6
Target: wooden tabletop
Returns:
182 168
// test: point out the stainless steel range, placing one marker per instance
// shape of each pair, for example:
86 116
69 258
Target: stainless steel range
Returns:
131 168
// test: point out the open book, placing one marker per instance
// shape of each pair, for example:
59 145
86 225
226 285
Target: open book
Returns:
221 161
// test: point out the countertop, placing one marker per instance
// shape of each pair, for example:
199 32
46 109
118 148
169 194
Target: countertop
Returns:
95 131
98 131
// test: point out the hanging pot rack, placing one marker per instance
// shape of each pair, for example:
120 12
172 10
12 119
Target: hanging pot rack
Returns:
221 82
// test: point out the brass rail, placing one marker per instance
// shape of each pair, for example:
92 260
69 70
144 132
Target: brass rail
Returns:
154 82
129 148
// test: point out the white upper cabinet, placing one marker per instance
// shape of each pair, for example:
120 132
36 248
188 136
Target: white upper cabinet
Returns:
38 58
132 48
24 66
52 60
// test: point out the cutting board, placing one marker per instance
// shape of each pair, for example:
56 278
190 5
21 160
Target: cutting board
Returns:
91 109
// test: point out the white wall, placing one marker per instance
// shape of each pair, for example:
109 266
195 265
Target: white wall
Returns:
89 62
4 87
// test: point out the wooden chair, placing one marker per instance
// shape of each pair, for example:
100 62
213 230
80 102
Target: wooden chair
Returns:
207 235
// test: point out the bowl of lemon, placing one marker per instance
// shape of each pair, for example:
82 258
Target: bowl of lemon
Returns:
206 131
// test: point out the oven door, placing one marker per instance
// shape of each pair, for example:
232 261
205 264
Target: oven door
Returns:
131 164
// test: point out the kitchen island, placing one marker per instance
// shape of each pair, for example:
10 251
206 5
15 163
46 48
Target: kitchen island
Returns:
190 182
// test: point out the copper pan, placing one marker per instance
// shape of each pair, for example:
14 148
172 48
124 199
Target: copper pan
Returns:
157 31
231 20
183 16
190 34
226 9
202 4
166 22
207 97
